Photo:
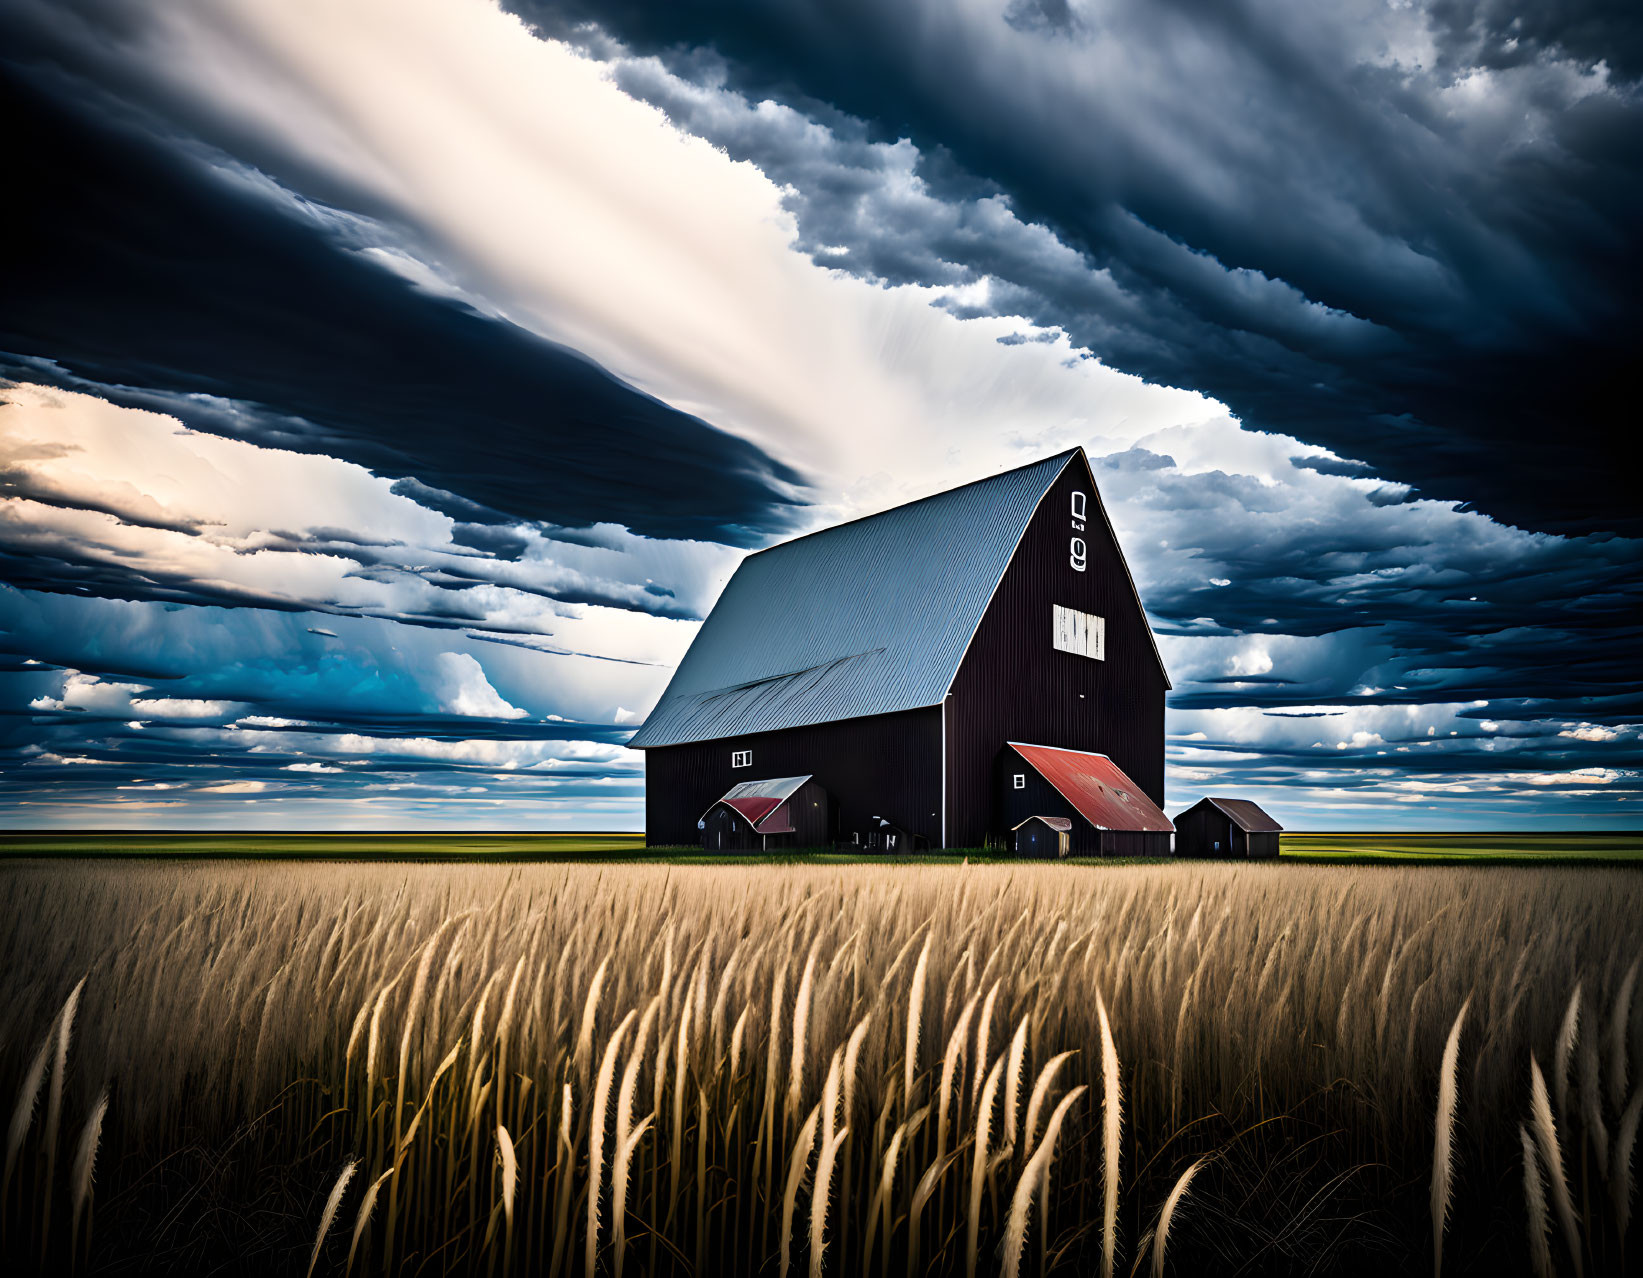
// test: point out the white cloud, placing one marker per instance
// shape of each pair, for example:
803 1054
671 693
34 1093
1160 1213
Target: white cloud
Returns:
465 690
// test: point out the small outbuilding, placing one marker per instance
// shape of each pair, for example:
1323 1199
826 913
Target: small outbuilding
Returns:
1226 828
1043 836
1106 813
782 812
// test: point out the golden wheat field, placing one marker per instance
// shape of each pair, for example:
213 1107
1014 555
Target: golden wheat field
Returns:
421 1069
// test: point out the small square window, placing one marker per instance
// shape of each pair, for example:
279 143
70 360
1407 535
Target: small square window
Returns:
741 758
1020 780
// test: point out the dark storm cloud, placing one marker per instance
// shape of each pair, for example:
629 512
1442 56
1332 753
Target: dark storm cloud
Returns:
1358 601
1265 206
1506 33
136 267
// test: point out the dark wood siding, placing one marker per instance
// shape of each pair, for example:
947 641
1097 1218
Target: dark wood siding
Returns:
1037 797
812 815
728 831
1199 828
1014 685
886 766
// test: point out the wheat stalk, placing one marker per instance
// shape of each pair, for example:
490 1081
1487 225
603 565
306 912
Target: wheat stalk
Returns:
982 1033
1443 1162
1620 1164
1536 1218
627 1135
831 1091
795 1174
510 1186
949 1066
921 1196
1167 1215
590 1009
1012 1082
915 1009
332 1202
818 1199
366 1206
881 1199
596 1134
1591 1105
737 1037
1111 1120
680 1055
801 1030
1567 1036
1619 1029
85 1163
852 1054
54 1101
1038 1166
1545 1127
22 1115
978 1163
1040 1093
619 1187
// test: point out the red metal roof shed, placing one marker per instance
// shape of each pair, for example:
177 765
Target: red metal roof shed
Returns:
1097 788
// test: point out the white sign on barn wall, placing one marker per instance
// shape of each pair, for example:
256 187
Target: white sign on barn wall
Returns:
1082 633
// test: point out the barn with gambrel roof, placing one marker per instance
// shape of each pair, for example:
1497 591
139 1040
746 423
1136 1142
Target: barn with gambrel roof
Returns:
893 658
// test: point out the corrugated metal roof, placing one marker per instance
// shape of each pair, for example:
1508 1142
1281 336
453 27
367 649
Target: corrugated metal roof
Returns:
756 800
1249 816
1096 787
1063 824
815 629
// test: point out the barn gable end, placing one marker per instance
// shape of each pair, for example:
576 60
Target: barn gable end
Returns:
1014 684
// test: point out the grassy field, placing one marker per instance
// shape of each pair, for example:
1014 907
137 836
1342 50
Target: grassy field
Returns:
1565 848
1473 848
280 1067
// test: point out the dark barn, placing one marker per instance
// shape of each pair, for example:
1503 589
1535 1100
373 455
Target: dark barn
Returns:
757 816
1228 828
1107 814
890 658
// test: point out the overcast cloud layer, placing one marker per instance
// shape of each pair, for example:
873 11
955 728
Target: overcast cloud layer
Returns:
391 389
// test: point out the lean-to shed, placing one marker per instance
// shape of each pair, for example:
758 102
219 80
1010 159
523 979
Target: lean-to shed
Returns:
1107 813
756 816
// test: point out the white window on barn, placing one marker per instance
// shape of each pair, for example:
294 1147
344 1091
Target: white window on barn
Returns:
1081 633
1020 780
741 758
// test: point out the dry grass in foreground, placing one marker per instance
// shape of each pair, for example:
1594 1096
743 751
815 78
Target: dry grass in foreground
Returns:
1001 1069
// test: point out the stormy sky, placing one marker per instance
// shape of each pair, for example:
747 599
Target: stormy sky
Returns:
387 390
